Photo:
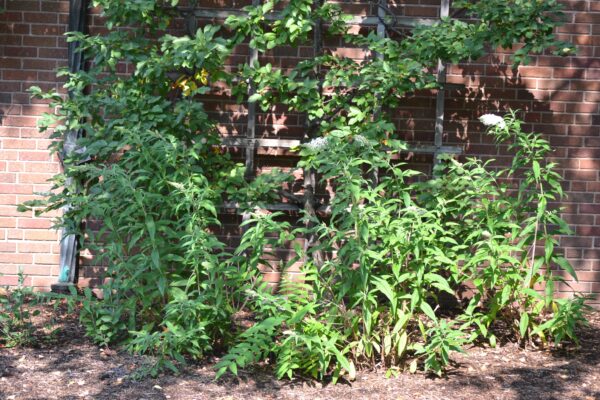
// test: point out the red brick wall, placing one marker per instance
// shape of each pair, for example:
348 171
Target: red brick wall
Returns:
31 49
559 97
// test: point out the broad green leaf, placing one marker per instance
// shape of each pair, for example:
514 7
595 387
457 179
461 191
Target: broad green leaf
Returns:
426 308
523 324
566 265
536 169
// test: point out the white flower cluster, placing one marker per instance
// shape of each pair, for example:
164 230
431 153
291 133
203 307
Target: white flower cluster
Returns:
361 140
317 144
415 210
492 120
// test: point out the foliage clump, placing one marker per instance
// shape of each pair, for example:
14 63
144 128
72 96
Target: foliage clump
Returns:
376 268
20 309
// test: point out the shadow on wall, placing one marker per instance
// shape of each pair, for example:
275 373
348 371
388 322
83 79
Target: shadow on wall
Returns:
553 106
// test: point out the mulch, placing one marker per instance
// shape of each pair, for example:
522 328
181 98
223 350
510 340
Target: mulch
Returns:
71 367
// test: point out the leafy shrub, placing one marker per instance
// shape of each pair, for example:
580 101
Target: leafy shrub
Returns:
16 326
18 308
151 170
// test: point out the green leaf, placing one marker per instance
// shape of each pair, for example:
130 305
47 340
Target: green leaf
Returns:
402 343
426 308
524 324
155 256
384 287
536 169
151 227
254 98
566 265
298 315
439 281
505 295
412 368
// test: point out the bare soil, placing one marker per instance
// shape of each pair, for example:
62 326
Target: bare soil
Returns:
70 367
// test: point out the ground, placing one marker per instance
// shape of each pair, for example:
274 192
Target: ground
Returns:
70 367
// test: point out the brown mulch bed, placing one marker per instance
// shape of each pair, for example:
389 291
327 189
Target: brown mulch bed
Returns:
70 367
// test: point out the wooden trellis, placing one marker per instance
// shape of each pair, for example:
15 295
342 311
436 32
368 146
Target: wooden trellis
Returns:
250 142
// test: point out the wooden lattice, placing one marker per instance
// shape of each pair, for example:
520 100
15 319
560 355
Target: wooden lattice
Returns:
250 142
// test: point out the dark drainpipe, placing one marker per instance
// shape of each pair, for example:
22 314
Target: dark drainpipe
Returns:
69 253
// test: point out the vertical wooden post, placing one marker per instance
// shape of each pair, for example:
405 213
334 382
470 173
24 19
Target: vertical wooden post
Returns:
191 24
250 148
381 8
310 180
382 5
251 126
441 94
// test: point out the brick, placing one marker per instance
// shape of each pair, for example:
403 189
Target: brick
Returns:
587 18
583 130
564 95
34 156
8 247
11 40
583 175
589 164
23 5
19 122
574 28
40 235
33 133
40 17
590 208
11 258
584 152
9 131
559 96
14 281
583 287
588 230
535 72
51 259
24 52
9 269
13 75
34 178
58 6
43 281
8 199
11 143
562 73
34 223
15 29
46 30
585 85
11 16
37 269
39 41
7 177
32 247
574 241
60 53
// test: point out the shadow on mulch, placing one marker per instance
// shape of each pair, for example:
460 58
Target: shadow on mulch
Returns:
73 368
